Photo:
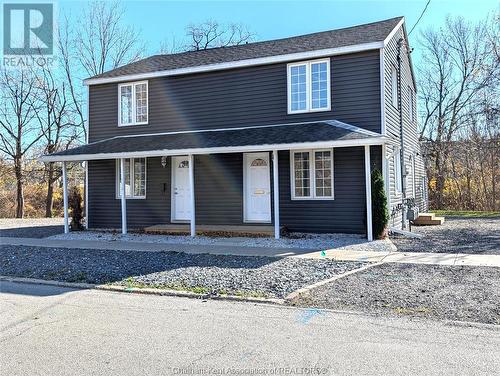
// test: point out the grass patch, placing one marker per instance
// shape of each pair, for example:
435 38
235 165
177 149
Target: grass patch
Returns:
202 290
411 311
467 213
131 283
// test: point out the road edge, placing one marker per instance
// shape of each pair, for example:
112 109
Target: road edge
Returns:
143 291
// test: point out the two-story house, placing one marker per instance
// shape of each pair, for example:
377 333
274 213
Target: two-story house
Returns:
280 133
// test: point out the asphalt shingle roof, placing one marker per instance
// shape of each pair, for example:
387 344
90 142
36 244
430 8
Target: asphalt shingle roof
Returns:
367 33
331 130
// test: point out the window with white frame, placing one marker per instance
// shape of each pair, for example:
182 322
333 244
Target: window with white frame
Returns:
133 103
411 107
135 178
309 86
394 87
312 174
397 171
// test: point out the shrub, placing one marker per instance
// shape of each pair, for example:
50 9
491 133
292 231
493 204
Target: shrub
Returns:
380 213
75 205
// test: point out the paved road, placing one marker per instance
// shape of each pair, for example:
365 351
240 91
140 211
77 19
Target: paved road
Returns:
57 331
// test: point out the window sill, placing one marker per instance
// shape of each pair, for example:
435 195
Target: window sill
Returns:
132 198
313 198
132 124
307 111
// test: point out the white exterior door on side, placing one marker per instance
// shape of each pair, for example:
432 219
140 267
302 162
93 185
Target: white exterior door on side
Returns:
181 208
257 187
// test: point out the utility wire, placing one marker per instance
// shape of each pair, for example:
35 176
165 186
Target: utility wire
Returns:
419 18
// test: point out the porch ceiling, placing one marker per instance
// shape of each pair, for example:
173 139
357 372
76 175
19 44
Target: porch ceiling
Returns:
320 134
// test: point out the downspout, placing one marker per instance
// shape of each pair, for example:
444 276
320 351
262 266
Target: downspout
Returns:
401 137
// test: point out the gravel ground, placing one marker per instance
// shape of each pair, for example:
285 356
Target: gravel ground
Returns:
236 275
30 227
463 293
296 240
455 235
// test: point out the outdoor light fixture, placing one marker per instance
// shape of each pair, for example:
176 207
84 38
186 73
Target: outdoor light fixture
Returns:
163 162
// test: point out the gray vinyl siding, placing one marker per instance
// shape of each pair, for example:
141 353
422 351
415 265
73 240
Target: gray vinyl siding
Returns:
219 194
410 132
104 207
347 212
242 97
219 189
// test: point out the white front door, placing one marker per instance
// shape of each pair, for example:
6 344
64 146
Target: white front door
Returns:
181 208
257 189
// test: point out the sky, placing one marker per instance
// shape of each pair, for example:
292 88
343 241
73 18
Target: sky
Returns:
163 20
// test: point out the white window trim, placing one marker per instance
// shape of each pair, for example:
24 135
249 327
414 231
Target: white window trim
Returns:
312 170
131 166
398 172
394 86
308 86
133 84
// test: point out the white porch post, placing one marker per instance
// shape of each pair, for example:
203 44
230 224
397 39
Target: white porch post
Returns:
368 183
191 198
276 195
65 197
123 197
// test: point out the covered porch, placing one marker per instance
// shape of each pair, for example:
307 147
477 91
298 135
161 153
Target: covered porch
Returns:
206 154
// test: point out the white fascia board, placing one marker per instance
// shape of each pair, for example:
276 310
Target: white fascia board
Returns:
394 31
239 63
382 92
217 150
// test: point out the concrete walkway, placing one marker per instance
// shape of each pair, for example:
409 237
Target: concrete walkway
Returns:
119 245
459 259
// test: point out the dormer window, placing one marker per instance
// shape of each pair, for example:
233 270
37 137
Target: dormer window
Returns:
133 103
309 86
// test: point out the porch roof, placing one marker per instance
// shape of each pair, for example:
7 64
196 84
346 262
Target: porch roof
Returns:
319 134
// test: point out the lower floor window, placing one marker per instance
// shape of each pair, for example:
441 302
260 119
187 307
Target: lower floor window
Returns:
135 178
312 174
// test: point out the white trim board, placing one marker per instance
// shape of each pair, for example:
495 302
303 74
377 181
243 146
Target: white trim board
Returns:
217 150
241 63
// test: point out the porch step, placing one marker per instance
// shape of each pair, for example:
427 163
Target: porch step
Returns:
428 219
221 230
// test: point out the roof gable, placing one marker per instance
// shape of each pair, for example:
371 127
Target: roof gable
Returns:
334 39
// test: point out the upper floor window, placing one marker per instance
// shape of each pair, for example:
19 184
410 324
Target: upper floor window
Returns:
309 86
411 104
133 103
312 174
394 87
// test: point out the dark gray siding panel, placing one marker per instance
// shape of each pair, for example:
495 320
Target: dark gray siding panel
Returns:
105 209
346 213
242 97
219 189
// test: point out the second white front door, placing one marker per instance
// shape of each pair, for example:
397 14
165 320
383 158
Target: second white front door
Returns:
181 208
257 189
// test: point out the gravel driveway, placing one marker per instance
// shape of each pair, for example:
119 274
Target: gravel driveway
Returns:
31 227
456 235
461 293
235 275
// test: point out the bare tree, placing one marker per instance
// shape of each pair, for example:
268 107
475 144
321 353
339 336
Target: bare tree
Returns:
211 34
102 41
56 119
458 64
68 57
19 133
